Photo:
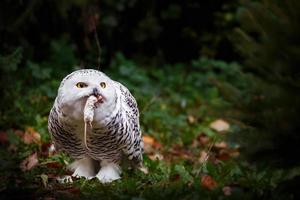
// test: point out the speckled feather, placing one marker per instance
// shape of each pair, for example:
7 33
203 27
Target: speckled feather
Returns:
115 134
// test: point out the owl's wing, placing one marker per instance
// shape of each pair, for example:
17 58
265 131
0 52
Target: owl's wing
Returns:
129 100
134 148
62 136
54 127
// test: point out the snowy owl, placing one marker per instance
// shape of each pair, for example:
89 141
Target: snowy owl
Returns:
95 120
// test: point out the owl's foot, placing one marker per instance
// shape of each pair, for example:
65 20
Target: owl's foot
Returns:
108 172
84 167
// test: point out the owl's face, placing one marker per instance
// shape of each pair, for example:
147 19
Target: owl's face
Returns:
79 85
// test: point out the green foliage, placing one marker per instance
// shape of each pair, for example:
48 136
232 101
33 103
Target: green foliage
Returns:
268 38
169 94
177 101
269 126
10 63
28 87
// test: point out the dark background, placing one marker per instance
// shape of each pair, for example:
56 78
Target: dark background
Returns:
236 60
171 31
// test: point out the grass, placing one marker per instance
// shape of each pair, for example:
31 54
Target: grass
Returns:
186 157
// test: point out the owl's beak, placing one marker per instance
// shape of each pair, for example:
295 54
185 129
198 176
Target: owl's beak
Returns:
97 94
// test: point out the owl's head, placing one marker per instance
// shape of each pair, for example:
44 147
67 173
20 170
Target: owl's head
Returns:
79 85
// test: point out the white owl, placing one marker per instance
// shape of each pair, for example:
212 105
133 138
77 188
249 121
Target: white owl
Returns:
114 133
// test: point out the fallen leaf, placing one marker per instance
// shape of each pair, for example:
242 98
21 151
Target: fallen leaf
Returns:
180 152
148 139
220 125
156 156
227 190
48 198
30 162
73 190
3 137
144 169
191 119
45 152
203 156
233 152
223 155
44 178
150 144
203 139
12 148
52 164
220 145
208 182
19 133
226 153
31 136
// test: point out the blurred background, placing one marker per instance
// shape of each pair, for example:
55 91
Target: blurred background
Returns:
188 63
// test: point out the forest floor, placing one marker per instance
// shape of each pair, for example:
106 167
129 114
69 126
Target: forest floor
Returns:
185 131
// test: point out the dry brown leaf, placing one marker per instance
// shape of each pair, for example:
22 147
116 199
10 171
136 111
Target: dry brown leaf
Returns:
150 144
3 137
30 162
46 150
203 139
12 148
31 136
203 156
227 190
223 155
19 133
156 156
53 164
220 125
233 152
191 119
221 145
44 178
208 182
180 152
148 139
49 198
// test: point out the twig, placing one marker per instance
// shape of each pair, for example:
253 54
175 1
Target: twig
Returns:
209 149
97 41
207 155
22 19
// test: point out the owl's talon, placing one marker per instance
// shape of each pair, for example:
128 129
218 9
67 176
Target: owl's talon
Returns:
108 172
83 168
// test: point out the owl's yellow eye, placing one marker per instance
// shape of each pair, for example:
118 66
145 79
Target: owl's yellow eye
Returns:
81 85
103 85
